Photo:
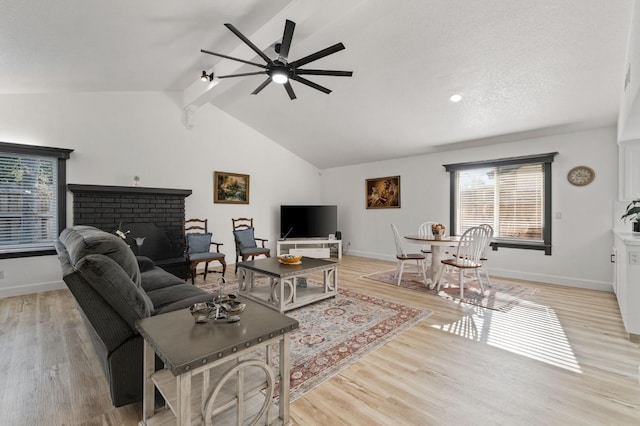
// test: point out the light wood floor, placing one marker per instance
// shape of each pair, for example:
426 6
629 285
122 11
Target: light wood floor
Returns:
562 358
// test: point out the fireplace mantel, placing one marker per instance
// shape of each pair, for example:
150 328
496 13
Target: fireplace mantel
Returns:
107 189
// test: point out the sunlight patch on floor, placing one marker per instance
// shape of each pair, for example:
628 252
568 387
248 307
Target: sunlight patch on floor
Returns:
527 329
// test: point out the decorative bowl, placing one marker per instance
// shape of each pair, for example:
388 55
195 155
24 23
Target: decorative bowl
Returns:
233 307
289 258
201 311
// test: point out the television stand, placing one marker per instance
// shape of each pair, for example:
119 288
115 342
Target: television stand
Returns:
311 247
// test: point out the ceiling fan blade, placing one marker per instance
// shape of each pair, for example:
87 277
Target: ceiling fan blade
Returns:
232 58
310 84
262 86
248 43
241 75
318 55
287 36
325 72
292 94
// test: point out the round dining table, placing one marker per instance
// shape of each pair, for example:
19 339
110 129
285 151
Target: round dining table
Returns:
439 249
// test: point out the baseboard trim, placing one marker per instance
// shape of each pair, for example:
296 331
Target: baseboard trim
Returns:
21 290
553 279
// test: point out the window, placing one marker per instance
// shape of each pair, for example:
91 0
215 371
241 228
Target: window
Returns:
511 194
32 199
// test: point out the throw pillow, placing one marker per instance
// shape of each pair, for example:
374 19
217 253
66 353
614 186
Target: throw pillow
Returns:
245 238
199 242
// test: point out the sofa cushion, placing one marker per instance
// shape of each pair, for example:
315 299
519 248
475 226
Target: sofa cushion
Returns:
245 238
157 278
176 297
81 241
116 287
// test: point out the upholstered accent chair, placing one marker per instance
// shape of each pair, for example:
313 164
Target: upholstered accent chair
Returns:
246 242
198 247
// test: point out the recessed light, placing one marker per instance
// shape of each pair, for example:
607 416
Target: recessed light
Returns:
455 98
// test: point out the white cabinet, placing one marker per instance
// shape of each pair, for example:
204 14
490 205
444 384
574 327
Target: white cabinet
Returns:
629 163
627 281
317 248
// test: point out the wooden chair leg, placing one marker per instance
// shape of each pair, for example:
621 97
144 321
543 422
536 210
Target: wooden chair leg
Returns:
224 267
206 269
193 274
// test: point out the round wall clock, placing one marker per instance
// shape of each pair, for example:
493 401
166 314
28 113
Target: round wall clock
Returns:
581 175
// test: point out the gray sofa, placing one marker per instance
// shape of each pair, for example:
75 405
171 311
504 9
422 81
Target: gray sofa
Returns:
113 289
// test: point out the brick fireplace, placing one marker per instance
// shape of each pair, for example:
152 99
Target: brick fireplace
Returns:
153 213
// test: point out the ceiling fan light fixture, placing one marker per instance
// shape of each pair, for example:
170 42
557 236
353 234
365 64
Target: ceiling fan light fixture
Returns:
279 75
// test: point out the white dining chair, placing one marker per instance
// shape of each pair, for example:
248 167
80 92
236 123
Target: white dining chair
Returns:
483 257
424 230
403 257
467 257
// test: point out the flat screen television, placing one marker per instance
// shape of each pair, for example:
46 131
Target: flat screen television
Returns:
308 221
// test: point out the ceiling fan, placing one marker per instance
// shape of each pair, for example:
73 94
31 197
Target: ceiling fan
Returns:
280 70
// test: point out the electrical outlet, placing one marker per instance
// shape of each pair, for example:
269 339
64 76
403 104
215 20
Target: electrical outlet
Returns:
1 275
634 258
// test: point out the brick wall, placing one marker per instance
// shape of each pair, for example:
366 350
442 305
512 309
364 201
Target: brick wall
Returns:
105 207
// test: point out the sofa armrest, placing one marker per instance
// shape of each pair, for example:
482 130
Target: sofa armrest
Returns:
145 264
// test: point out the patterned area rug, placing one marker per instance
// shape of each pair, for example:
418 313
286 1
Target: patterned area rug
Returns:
334 333
501 296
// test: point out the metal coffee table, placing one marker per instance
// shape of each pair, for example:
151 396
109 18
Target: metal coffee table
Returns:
210 372
285 291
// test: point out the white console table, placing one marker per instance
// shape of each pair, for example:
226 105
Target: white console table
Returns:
318 248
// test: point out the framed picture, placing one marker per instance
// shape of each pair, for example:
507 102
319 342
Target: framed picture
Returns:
383 193
230 188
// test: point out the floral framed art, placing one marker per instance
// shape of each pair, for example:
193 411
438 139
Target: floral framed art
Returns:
230 188
383 192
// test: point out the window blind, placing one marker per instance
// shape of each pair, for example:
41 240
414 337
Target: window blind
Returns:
510 198
28 202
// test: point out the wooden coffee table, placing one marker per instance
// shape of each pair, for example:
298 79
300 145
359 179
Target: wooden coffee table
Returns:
286 289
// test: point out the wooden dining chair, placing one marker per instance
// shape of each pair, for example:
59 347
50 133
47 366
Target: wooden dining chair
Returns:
467 256
403 257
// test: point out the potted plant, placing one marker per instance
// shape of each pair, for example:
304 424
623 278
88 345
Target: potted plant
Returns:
633 214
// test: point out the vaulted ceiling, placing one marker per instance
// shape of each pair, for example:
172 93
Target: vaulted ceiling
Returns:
521 67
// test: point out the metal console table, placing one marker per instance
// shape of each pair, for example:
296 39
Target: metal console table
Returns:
209 376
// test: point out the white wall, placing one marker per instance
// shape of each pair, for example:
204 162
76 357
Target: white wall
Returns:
582 238
629 114
118 135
